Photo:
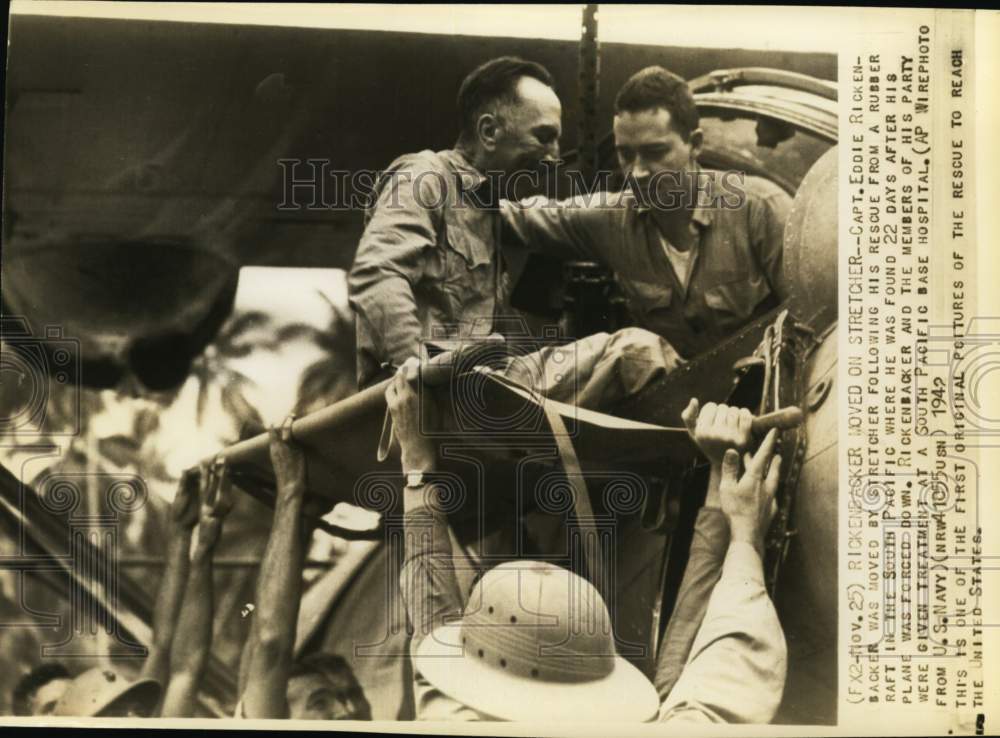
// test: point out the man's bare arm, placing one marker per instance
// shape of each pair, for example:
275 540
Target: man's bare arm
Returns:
182 516
736 669
279 586
190 649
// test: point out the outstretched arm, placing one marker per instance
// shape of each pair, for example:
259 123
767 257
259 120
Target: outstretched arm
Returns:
736 671
189 652
714 428
182 516
427 579
567 229
279 585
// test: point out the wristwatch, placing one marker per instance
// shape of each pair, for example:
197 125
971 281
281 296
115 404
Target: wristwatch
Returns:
417 479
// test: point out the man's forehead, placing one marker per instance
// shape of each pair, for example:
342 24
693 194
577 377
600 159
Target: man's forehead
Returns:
537 97
644 125
309 681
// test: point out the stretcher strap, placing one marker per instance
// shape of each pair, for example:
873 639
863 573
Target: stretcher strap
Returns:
581 505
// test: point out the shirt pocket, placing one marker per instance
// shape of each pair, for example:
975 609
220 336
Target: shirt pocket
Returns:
733 303
646 299
469 263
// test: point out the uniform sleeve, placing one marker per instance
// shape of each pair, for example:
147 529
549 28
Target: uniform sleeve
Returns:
393 255
704 566
768 214
566 229
433 704
427 578
432 598
736 670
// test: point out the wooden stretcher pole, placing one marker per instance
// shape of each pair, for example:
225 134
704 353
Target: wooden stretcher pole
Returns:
373 398
436 370
339 414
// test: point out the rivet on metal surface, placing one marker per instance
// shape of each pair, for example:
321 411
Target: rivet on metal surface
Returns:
817 394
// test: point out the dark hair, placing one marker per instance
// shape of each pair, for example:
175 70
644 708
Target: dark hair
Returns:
655 87
337 670
495 80
31 682
320 663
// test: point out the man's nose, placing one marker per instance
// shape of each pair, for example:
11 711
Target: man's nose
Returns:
640 170
551 153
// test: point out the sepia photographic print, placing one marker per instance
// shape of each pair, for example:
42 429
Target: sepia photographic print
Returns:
599 369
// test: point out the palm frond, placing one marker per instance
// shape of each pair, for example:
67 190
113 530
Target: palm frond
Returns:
234 403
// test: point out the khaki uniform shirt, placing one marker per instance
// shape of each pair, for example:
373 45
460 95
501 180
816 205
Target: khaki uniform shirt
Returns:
735 273
427 266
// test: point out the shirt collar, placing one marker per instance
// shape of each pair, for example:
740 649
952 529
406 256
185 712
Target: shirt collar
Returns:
470 179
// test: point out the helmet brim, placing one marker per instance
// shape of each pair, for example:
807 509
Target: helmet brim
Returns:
625 695
147 691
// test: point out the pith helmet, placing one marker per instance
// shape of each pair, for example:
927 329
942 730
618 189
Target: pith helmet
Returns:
535 643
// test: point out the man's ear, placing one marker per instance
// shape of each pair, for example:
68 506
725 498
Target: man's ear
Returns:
487 129
696 139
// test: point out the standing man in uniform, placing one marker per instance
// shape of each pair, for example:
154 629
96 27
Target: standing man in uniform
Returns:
697 252
428 264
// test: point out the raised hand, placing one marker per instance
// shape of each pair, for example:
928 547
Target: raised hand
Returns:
216 502
717 428
417 449
218 499
184 508
748 501
287 459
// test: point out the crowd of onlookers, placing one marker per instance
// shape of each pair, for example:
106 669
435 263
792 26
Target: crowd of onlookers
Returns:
520 645
271 684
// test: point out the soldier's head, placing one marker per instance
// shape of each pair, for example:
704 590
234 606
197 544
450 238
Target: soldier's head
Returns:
657 134
510 115
322 686
38 691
